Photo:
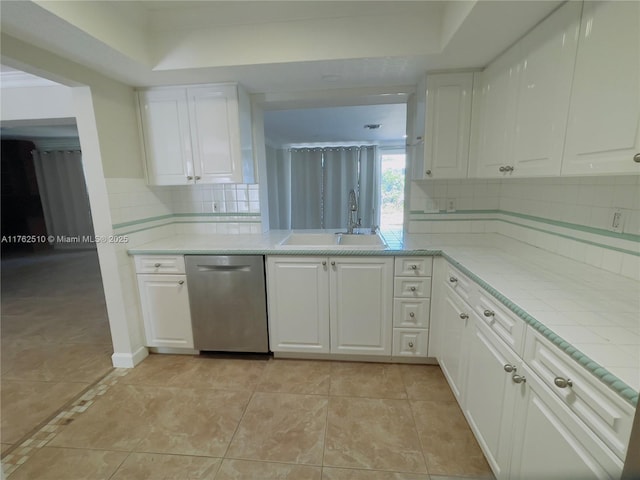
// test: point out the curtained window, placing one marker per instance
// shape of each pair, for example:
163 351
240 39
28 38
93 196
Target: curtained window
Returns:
309 187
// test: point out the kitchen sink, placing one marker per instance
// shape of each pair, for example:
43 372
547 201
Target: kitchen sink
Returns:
344 241
310 240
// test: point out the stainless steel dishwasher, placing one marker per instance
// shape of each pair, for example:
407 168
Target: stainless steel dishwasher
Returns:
227 296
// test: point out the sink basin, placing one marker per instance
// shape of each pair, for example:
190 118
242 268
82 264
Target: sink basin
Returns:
310 240
345 241
368 241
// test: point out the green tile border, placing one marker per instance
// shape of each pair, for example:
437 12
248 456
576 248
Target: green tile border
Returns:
595 231
141 221
606 377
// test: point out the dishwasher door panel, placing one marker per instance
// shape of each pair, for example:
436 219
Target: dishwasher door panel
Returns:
227 297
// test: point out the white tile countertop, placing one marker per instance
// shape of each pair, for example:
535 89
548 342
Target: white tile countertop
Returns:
596 311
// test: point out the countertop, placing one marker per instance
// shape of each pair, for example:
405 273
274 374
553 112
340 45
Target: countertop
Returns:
590 313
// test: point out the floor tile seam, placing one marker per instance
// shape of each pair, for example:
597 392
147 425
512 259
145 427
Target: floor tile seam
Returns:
415 426
279 462
326 429
119 465
367 397
235 431
361 468
49 428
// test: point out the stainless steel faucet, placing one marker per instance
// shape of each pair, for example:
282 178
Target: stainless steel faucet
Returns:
353 209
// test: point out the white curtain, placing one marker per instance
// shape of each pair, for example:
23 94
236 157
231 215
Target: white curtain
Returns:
340 175
309 188
63 193
306 188
369 193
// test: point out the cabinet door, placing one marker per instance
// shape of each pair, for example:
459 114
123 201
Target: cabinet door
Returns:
448 122
603 132
165 310
490 395
497 102
549 53
361 305
167 141
550 442
215 133
298 301
453 325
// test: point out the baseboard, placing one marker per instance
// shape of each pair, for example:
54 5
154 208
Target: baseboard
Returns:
354 358
129 360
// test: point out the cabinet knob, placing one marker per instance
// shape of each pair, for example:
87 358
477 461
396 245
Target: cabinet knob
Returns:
414 267
509 368
410 344
411 314
413 289
180 282
501 169
636 158
324 264
453 279
157 265
489 313
464 316
198 177
518 378
428 172
508 168
333 264
562 382
189 177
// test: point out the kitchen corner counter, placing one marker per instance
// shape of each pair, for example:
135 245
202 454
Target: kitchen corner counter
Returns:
591 314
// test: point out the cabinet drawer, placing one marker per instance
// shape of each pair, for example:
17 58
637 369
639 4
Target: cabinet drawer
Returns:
159 264
601 409
413 266
503 322
410 342
412 287
409 313
460 283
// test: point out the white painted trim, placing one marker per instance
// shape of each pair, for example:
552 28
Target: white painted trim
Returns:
354 358
129 360
174 351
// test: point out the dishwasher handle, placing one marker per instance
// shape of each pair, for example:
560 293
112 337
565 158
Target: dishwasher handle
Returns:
223 268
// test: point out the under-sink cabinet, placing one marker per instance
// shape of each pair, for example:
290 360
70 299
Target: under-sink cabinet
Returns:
524 399
164 300
337 305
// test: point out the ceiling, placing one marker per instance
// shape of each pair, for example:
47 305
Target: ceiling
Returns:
290 54
273 46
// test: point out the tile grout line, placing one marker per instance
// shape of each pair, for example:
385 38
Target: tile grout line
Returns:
22 452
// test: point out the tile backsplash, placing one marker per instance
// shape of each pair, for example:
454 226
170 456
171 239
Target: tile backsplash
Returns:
571 216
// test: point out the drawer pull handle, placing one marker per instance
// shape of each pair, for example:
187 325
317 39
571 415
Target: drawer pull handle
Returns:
410 344
510 368
180 282
411 314
324 263
562 382
189 177
333 264
453 279
518 378
158 265
414 267
413 289
489 313
464 316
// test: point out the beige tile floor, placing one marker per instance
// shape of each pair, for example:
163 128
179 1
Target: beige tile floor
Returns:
191 418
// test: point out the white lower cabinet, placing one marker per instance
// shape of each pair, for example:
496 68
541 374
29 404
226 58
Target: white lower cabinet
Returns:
550 442
491 394
165 310
340 305
534 412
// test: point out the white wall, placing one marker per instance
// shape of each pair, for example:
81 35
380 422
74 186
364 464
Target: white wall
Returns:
36 103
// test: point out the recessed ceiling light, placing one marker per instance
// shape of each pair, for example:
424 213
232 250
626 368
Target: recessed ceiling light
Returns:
373 126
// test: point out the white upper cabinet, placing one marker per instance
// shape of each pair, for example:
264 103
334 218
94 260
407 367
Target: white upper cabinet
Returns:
603 133
548 58
495 103
199 134
447 125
